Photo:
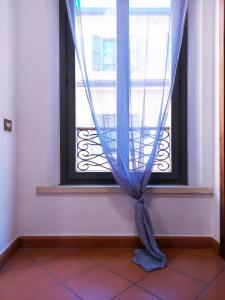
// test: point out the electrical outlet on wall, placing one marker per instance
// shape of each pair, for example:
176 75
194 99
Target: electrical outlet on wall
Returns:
7 125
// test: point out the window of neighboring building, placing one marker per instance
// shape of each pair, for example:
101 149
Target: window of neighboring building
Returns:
82 157
103 54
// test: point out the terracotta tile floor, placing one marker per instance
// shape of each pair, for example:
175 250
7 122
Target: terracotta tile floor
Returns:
107 273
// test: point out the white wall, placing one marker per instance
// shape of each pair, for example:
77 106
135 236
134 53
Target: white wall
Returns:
201 91
8 141
38 115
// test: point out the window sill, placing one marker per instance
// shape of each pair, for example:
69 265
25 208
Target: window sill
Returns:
87 189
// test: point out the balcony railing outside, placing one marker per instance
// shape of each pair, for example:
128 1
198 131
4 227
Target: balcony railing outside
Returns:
91 158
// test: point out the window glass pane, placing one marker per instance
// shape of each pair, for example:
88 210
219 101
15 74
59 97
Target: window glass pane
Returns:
149 26
96 53
109 55
99 31
99 3
147 18
150 3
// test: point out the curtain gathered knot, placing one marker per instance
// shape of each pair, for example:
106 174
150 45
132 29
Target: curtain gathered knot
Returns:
141 200
150 258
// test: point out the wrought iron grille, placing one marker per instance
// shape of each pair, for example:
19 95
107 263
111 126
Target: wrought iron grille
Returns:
91 158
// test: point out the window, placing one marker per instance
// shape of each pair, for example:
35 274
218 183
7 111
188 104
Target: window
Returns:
103 54
82 157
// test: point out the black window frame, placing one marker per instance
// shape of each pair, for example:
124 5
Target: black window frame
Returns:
68 176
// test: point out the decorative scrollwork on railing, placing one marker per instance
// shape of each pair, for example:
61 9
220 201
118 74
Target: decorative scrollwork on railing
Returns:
163 159
91 158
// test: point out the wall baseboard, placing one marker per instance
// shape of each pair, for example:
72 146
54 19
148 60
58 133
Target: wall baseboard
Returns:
185 242
215 246
8 253
188 242
79 241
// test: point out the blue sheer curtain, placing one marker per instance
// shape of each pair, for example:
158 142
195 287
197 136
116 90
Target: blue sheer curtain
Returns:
136 46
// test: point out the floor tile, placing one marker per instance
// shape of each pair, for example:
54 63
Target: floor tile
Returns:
171 285
216 290
203 265
98 284
64 268
18 262
124 266
22 285
135 293
171 253
57 293
40 255
100 255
